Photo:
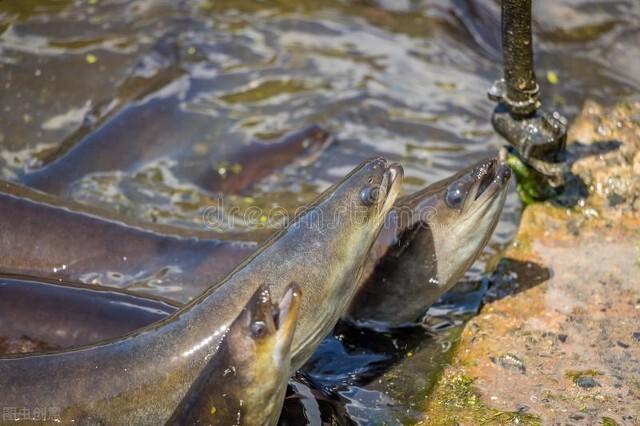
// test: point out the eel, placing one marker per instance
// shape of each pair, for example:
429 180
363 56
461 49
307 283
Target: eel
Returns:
246 381
63 314
257 344
177 263
46 236
433 236
141 377
253 355
403 258
156 128
154 116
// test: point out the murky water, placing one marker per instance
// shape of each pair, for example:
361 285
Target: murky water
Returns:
404 79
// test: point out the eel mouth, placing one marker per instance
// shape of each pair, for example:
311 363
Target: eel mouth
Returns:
286 314
390 186
491 178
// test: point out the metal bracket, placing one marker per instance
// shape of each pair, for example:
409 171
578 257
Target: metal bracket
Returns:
539 137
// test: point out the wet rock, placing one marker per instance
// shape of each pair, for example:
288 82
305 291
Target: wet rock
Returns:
615 200
605 149
591 293
512 362
608 421
586 382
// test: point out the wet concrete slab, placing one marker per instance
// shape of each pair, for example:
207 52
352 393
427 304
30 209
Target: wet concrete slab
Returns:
558 341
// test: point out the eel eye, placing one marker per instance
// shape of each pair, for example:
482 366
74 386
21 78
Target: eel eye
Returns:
455 196
369 195
258 329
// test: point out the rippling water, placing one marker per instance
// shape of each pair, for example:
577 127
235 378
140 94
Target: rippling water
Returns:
404 79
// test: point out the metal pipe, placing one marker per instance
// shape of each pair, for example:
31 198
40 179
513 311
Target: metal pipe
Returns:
539 138
521 91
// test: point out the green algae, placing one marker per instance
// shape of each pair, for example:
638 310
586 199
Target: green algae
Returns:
455 401
264 91
531 186
452 400
574 375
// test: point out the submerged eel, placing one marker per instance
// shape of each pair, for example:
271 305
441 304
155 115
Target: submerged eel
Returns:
411 264
141 377
150 119
158 128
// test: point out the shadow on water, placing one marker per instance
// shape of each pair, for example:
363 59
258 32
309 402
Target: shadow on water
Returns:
358 375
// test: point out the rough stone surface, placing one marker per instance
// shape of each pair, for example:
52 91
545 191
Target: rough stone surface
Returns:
605 147
557 342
